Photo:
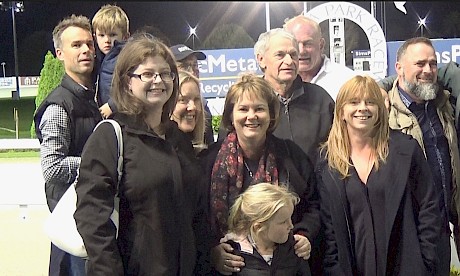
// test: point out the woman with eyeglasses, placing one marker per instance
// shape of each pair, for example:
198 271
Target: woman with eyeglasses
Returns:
160 173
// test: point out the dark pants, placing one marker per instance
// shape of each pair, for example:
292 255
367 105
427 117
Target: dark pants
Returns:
443 253
64 264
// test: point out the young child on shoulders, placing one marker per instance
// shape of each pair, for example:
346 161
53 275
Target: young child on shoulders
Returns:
111 30
260 230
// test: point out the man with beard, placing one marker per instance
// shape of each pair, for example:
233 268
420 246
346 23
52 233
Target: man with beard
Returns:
421 108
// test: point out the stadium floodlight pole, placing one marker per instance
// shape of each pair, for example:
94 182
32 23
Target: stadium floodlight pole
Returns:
14 6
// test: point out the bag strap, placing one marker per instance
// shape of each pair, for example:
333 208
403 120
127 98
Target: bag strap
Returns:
119 135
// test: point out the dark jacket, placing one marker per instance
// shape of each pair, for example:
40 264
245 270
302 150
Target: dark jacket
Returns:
295 170
79 105
285 262
83 114
412 223
106 68
155 235
307 117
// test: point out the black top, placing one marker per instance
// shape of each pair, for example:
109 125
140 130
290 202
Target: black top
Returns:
367 211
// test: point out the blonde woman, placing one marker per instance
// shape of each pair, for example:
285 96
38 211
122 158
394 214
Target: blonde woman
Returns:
189 111
378 205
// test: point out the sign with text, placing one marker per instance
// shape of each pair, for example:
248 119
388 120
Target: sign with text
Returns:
221 68
10 82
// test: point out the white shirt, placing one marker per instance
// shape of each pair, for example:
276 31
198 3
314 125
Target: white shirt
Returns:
332 76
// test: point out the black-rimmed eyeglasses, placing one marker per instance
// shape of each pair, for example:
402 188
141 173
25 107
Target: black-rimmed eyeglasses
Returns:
149 76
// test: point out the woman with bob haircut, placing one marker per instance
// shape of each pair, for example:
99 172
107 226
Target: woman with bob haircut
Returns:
250 154
158 187
378 204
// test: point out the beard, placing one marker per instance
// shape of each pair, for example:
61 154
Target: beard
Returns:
423 91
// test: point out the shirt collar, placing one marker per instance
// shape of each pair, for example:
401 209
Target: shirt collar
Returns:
406 99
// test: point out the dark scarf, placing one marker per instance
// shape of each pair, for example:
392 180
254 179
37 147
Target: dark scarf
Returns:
227 177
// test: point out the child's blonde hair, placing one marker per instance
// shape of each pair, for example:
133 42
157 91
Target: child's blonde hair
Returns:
110 17
258 204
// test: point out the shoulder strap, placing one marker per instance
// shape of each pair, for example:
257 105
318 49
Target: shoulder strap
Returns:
119 135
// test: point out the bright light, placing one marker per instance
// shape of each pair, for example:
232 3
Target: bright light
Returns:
18 7
192 30
422 21
192 33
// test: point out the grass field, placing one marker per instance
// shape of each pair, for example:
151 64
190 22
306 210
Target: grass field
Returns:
11 154
26 108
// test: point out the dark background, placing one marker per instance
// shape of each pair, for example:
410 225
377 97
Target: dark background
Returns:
35 24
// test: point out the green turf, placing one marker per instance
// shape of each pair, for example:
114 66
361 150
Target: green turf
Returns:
25 107
11 154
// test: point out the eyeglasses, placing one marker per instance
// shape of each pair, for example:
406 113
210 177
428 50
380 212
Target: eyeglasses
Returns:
149 76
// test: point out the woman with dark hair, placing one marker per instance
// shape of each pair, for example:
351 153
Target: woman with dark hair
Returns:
250 154
378 204
155 235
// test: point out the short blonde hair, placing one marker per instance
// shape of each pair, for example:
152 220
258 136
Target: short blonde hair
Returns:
258 204
110 17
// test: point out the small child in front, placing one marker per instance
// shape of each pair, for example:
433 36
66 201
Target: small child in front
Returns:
260 230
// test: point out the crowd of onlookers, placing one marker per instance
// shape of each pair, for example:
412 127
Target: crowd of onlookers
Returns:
317 170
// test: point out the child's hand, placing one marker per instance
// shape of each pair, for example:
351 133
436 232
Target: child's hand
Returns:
105 111
302 247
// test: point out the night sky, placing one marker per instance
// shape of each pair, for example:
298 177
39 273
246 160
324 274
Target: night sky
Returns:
34 26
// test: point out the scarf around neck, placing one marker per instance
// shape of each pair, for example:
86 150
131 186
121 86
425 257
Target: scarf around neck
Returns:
227 178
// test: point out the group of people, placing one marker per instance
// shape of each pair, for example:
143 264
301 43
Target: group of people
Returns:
304 178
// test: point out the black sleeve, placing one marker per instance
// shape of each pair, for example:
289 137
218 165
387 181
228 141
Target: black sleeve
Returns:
96 188
331 256
308 222
428 213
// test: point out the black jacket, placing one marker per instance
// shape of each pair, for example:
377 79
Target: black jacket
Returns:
285 262
156 209
295 170
412 223
79 105
307 117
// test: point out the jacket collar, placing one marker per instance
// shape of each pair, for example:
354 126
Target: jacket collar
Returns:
76 88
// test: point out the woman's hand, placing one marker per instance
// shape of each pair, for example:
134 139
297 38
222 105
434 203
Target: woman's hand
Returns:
224 261
302 247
